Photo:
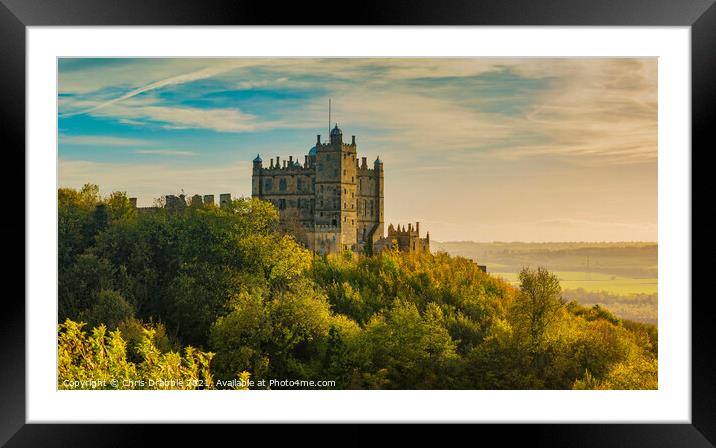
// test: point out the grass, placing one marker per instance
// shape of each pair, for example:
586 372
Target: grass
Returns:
596 282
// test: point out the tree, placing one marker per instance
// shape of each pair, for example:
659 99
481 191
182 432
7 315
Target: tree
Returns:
538 305
110 309
407 350
80 284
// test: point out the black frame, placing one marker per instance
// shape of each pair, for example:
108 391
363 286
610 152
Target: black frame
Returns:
15 15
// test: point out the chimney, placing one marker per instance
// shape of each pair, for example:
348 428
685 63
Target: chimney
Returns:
290 160
353 140
305 161
284 164
417 227
364 162
278 162
318 139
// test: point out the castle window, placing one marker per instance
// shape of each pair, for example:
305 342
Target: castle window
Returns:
363 234
282 185
282 204
345 205
268 185
321 205
345 191
344 172
333 221
353 179
365 207
299 185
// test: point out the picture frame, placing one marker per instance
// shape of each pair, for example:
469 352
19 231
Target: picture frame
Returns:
16 16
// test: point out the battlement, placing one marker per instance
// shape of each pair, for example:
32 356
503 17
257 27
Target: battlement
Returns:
405 239
403 231
175 203
290 165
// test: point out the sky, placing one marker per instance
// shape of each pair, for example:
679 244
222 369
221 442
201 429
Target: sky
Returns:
479 149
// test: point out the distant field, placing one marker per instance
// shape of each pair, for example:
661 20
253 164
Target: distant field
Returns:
620 268
591 281
620 276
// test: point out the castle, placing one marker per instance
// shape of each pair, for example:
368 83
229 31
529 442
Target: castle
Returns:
333 201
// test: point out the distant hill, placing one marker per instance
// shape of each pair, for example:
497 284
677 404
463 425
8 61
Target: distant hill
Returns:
625 259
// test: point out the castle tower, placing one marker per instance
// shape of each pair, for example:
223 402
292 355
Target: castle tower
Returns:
336 172
380 193
331 202
256 177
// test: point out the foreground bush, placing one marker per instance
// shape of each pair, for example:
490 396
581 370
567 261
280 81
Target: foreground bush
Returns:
99 361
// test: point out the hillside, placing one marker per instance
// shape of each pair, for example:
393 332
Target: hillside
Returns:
207 296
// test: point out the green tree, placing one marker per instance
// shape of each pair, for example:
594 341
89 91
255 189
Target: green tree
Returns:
538 305
110 309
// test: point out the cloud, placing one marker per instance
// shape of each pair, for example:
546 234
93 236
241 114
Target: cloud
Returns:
184 117
203 73
165 152
101 140
593 111
566 223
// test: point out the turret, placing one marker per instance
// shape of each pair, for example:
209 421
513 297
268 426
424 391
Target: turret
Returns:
336 135
257 164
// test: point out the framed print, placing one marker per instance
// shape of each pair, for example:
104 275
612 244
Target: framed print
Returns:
272 220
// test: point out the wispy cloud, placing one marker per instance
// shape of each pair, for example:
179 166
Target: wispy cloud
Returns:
101 140
165 152
183 117
173 80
